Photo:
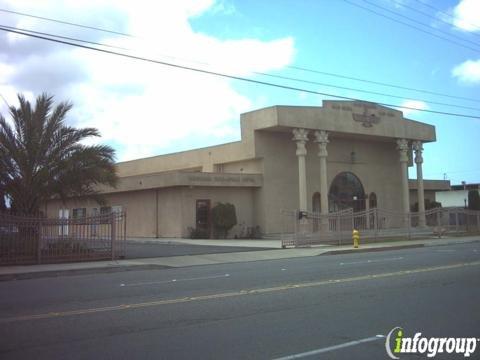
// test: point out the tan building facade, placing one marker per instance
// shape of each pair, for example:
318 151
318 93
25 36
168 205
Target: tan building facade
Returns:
324 159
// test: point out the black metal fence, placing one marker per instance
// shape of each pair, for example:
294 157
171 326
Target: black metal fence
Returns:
33 240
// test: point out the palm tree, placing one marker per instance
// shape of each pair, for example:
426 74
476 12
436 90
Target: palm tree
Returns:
41 157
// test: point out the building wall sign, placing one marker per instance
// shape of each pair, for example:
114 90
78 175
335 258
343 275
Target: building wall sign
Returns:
212 179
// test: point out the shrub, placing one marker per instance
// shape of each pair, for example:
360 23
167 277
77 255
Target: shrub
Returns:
224 218
428 205
197 233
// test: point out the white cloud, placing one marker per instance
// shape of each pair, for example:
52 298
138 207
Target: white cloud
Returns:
413 107
466 15
141 107
468 72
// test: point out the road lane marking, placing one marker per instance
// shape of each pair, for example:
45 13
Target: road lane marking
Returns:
159 302
332 348
371 261
175 280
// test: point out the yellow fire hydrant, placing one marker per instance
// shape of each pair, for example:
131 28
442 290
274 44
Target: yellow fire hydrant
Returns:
356 238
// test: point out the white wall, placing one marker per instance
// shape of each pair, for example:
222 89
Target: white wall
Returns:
452 197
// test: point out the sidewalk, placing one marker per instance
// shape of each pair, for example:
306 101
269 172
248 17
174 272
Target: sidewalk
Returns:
47 270
274 244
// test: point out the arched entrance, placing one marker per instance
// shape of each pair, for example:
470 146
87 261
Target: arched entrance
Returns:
346 192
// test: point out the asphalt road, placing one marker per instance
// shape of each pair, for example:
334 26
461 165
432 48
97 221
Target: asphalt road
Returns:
137 249
331 306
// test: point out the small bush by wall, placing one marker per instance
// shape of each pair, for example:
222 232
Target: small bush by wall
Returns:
224 217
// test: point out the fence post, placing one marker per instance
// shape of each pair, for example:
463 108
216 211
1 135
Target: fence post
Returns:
408 217
113 234
124 242
295 235
456 221
339 223
39 242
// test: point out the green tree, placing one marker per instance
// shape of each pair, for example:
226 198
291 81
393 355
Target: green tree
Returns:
41 157
428 205
224 218
473 200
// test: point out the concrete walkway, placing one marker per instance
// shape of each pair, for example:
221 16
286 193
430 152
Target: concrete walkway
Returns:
28 271
274 244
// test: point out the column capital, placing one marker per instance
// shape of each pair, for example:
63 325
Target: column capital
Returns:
418 148
321 138
300 136
402 147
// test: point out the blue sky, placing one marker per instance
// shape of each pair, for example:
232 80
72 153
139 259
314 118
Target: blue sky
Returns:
144 109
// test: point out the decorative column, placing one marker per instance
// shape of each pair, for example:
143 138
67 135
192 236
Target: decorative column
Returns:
321 137
402 146
300 136
418 148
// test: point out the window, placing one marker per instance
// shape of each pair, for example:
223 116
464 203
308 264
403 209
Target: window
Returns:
105 210
109 209
117 209
63 215
79 213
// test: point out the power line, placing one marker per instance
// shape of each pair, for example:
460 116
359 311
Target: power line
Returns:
364 91
447 14
66 38
64 22
264 74
383 84
134 57
418 22
411 26
402 4
291 67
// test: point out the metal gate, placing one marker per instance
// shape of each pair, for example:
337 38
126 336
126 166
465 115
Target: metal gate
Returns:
29 240
306 228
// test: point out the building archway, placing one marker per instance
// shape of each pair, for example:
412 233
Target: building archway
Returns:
346 192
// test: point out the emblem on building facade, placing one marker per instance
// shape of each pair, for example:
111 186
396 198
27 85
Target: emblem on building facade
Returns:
368 118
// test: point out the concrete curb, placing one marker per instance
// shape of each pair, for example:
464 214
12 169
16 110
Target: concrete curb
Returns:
73 272
372 249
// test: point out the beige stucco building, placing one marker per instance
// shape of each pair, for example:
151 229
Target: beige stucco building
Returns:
343 154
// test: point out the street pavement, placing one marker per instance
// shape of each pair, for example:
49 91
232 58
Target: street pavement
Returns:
201 253
332 307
